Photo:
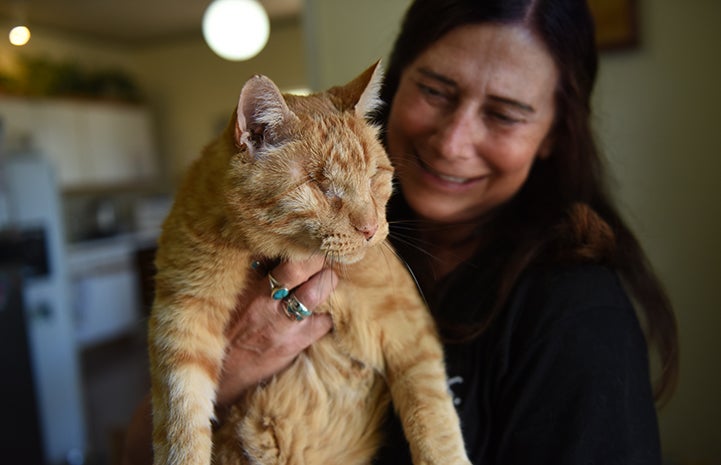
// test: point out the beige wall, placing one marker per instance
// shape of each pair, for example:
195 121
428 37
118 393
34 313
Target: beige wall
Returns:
658 116
194 91
345 37
657 112
62 46
190 89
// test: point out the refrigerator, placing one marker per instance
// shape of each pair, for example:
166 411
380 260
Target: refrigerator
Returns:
37 304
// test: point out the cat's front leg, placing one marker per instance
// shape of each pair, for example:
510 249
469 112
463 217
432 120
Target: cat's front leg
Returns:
417 380
186 348
429 419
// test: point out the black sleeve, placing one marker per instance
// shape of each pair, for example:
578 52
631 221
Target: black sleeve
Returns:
573 383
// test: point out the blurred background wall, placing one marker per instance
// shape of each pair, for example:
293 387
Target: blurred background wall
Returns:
657 109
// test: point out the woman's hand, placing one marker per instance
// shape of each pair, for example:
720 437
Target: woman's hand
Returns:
262 340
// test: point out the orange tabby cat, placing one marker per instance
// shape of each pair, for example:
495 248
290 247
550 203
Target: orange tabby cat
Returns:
293 177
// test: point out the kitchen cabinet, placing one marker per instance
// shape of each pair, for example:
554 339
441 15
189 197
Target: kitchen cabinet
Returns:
118 143
57 135
105 287
90 143
106 305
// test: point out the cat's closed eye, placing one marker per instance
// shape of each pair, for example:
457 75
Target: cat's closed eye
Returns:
334 194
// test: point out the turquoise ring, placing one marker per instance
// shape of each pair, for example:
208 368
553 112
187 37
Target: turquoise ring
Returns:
277 290
295 310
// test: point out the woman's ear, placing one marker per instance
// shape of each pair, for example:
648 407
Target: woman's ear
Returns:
546 147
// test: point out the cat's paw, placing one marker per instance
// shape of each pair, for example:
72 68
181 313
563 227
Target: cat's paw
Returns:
460 460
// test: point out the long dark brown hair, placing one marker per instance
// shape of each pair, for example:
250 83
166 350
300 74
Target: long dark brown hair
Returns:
573 174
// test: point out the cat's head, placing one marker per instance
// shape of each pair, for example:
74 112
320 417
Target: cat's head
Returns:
310 175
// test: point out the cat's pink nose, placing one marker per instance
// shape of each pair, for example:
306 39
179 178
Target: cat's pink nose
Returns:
368 230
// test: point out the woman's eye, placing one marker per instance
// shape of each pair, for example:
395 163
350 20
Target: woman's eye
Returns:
432 92
428 90
504 118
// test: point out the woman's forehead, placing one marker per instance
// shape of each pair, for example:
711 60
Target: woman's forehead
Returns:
505 59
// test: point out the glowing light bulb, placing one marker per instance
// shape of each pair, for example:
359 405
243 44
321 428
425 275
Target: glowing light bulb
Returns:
19 35
236 29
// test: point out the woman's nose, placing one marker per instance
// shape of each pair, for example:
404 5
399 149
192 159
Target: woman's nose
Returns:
459 135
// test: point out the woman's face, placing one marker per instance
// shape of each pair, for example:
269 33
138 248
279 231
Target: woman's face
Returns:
470 116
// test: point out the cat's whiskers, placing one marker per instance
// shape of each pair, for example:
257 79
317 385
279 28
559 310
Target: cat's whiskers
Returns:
386 247
331 264
335 263
406 159
412 241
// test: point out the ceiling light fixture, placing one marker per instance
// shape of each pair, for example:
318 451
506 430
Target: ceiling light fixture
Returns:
19 35
236 29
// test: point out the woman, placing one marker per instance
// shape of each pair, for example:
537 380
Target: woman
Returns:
527 260
503 216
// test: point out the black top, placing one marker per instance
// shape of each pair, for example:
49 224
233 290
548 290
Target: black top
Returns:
559 377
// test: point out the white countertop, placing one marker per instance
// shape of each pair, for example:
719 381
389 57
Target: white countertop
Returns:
86 256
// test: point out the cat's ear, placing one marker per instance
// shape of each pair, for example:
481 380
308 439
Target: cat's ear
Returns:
369 100
362 93
262 111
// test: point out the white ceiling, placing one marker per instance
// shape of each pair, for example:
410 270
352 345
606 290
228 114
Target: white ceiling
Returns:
129 22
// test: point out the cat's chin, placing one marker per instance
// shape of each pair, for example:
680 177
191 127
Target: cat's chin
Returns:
348 253
349 259
346 257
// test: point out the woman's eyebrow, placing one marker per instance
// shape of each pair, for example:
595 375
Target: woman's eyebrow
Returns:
438 77
524 107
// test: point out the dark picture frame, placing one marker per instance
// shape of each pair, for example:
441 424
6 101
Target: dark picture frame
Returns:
616 23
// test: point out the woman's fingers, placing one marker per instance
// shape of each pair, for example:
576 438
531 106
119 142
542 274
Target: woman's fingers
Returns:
293 274
310 283
309 295
263 339
317 288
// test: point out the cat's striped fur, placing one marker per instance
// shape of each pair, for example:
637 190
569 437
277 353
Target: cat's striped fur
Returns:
289 178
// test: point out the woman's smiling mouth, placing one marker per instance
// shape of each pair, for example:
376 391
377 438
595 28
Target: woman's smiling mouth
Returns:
445 177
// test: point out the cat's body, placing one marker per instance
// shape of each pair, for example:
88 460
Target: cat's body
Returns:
292 178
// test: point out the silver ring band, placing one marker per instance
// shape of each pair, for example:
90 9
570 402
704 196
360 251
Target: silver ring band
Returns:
277 290
294 308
